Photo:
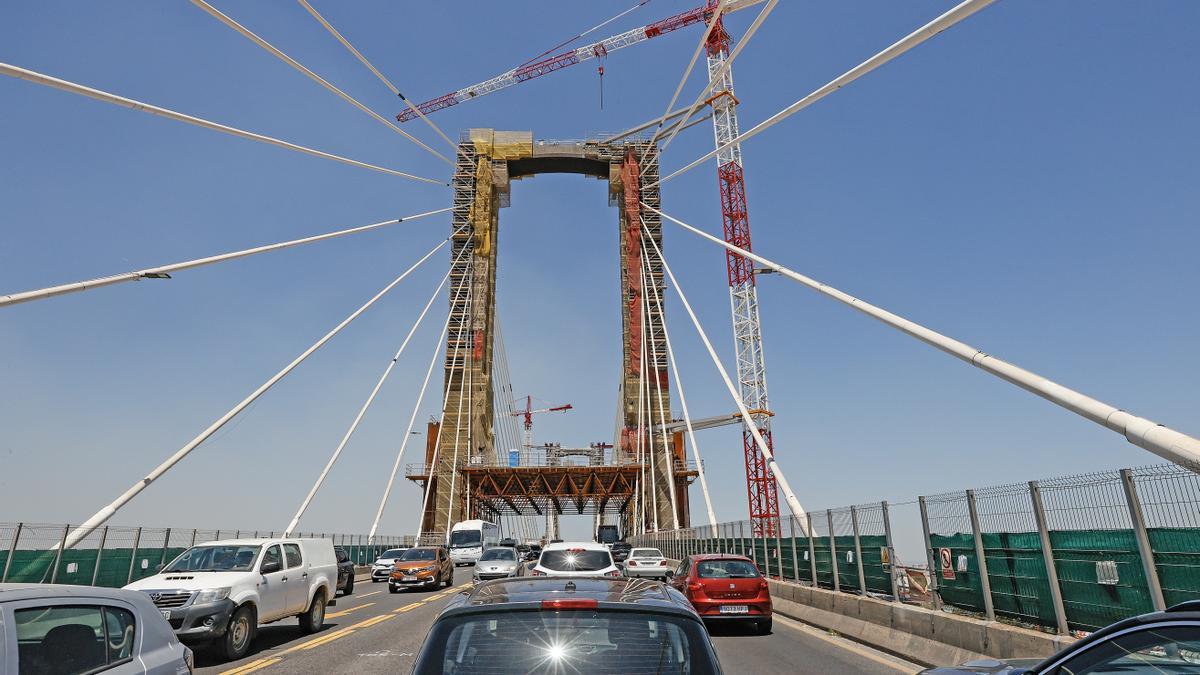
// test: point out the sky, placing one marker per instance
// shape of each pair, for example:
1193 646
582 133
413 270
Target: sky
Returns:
1024 182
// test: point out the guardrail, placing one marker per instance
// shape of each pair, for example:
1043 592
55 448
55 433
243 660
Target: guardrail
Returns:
114 556
1067 555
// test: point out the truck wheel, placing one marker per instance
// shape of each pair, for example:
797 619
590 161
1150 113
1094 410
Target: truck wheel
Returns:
239 634
312 620
349 586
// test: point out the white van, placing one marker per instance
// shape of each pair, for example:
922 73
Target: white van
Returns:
470 538
221 591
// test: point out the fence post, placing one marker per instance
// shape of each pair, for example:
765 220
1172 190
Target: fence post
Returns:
795 559
812 551
162 559
837 584
99 551
766 552
1039 513
62 544
779 548
217 536
887 541
12 550
984 582
1143 540
741 543
930 556
137 539
862 578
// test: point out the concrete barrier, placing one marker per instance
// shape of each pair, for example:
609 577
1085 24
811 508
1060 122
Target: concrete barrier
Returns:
913 633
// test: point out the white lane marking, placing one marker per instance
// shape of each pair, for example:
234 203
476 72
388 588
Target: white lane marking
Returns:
849 645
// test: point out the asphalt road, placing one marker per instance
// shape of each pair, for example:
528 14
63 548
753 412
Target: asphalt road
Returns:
374 631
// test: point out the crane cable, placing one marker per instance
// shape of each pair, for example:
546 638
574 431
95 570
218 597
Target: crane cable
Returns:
64 85
225 19
346 43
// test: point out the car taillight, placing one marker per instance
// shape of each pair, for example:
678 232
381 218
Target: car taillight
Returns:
763 585
536 573
662 563
573 603
632 563
695 587
614 573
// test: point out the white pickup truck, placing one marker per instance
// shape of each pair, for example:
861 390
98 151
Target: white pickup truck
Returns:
221 591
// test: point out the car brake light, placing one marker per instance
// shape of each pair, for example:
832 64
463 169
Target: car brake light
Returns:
572 603
537 573
614 573
632 563
694 587
662 563
763 585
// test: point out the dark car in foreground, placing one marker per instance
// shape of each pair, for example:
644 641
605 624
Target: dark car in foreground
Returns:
587 625
1159 643
345 580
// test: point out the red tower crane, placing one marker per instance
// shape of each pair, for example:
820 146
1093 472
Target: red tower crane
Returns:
528 414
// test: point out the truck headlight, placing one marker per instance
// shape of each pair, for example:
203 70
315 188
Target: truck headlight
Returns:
210 595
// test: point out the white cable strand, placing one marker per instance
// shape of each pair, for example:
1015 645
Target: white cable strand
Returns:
1163 441
156 272
362 412
102 516
668 453
64 85
246 32
387 491
645 382
346 43
687 418
950 18
789 496
687 72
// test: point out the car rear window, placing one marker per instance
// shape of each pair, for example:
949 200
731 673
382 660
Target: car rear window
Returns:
726 569
569 641
645 553
575 560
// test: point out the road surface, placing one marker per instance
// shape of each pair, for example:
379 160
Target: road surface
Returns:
374 631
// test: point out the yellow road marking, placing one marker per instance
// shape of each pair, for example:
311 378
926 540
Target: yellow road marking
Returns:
408 607
379 619
328 637
344 612
252 666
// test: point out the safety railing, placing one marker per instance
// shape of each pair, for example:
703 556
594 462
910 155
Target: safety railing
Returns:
1068 554
114 556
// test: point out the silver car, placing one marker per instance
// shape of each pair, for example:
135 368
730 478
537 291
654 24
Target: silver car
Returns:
76 629
498 562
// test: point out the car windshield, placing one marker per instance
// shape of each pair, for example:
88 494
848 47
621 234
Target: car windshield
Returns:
575 560
645 553
573 641
418 554
498 554
393 553
225 558
465 538
726 569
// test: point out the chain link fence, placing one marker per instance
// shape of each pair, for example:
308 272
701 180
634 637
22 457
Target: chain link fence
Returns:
1069 554
114 556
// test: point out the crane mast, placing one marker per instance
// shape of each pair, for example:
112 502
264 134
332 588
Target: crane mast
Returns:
762 493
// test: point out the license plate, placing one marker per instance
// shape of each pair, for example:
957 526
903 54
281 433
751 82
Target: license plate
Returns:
407 578
734 609
166 613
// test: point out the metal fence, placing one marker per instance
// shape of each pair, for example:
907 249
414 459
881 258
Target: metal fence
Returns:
1066 554
115 556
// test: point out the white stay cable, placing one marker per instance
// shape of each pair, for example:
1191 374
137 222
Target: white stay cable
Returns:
649 417
362 411
437 443
1163 441
687 72
163 270
346 43
640 502
950 18
107 512
668 453
469 375
250 35
64 85
387 491
717 77
687 418
789 496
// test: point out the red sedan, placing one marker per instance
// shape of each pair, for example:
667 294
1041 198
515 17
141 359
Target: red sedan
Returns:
725 588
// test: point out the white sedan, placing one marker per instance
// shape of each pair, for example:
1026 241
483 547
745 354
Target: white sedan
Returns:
646 562
575 559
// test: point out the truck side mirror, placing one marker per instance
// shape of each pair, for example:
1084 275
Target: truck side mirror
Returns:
270 567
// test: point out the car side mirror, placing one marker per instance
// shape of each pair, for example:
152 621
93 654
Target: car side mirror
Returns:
270 567
670 575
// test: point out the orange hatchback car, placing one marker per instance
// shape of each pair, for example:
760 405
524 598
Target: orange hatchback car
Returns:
421 567
725 588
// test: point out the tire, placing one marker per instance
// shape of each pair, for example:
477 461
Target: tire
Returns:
763 627
374 580
393 589
312 620
349 589
239 633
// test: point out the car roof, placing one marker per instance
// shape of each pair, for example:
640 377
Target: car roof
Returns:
261 541
609 593
567 545
718 556
15 592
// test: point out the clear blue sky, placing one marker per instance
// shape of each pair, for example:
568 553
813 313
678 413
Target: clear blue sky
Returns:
1025 182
